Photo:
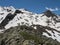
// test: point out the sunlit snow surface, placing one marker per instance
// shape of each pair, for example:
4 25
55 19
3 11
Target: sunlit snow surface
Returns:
29 18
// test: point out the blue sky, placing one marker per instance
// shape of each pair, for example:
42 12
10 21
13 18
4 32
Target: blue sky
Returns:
36 6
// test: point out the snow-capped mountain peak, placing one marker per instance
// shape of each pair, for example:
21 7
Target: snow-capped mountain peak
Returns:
47 21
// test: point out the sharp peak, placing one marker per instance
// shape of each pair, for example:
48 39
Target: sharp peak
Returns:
49 13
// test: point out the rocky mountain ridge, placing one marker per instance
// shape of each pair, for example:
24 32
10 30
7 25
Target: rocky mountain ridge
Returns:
46 24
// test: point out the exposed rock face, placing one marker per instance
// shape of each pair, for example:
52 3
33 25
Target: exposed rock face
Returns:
18 11
7 19
48 13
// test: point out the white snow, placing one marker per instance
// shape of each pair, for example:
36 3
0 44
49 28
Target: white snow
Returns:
54 35
28 18
35 27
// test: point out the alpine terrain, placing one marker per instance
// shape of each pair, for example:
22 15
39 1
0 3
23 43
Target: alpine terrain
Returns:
22 27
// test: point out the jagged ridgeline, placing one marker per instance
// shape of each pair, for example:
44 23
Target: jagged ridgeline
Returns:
22 27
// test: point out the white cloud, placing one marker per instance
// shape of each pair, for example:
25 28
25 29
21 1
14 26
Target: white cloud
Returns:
51 9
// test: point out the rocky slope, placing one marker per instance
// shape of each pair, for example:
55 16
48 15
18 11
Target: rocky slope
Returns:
45 26
24 35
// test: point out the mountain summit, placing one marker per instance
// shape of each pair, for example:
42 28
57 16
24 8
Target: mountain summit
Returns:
46 24
48 13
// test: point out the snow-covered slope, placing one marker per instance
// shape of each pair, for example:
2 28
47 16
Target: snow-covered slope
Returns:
11 17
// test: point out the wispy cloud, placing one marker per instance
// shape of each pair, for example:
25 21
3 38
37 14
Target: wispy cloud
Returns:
51 9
